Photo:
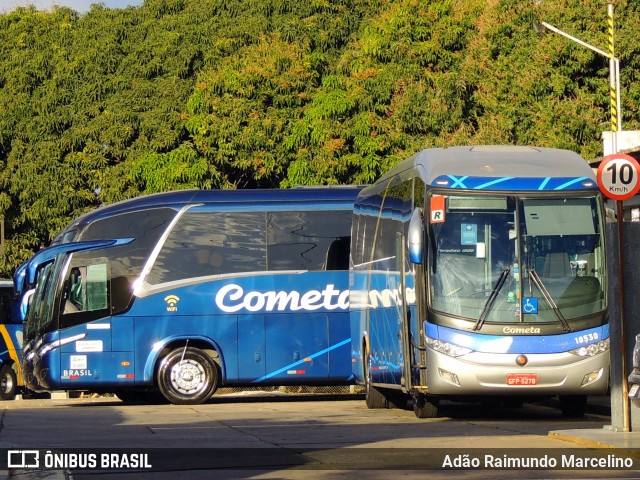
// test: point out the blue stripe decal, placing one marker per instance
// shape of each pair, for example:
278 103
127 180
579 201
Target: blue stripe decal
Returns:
458 182
544 183
517 344
300 362
569 183
515 184
493 182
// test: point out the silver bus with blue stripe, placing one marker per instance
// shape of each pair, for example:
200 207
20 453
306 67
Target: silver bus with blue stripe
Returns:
478 272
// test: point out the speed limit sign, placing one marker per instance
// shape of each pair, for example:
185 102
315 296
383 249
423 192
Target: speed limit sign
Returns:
618 176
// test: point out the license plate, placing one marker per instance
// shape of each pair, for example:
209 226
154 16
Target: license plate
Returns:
522 379
633 391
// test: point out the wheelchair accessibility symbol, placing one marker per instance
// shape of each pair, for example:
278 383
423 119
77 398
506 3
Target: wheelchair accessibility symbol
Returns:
529 305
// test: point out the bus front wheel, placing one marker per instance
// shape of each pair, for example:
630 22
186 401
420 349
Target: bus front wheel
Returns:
373 397
8 383
425 406
187 376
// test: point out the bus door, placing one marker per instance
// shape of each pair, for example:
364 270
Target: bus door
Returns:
414 304
406 315
94 346
85 323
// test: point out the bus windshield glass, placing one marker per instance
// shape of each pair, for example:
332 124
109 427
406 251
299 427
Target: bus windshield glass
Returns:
517 259
40 311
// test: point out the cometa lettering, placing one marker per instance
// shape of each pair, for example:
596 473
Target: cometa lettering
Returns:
525 330
232 298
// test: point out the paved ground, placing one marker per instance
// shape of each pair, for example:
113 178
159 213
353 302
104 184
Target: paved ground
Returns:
309 437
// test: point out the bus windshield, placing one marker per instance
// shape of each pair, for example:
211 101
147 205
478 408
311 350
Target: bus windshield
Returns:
517 259
40 311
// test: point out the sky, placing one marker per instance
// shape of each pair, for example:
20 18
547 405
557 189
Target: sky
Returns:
80 6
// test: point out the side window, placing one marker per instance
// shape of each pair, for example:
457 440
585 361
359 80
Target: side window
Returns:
211 243
308 240
338 254
86 294
75 301
146 227
87 289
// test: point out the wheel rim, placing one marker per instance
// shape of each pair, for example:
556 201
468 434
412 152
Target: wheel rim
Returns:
6 384
188 377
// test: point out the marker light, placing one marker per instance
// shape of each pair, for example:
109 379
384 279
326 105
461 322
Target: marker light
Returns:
591 377
449 377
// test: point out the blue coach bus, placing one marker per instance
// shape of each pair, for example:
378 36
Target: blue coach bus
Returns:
14 300
201 289
480 272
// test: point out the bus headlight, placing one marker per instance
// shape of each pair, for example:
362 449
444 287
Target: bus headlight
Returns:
591 350
449 349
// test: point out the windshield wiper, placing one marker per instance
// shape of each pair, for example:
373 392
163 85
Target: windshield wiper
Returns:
547 296
492 298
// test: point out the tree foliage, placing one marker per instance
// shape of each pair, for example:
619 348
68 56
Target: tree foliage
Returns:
176 94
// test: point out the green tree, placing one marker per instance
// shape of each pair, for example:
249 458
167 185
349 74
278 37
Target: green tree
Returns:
176 94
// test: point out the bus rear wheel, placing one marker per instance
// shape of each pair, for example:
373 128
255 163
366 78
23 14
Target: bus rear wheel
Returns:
8 383
187 376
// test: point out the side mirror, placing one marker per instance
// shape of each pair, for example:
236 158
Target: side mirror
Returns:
415 236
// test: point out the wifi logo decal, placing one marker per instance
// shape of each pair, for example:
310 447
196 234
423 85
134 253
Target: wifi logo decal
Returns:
172 303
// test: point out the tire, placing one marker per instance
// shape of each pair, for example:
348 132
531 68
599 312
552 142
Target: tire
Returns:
425 406
187 376
573 406
8 383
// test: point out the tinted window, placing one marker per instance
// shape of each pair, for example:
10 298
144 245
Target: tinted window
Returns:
216 243
126 262
85 292
314 240
149 223
211 243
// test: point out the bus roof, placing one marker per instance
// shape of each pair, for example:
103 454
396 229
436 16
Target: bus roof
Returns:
495 161
337 196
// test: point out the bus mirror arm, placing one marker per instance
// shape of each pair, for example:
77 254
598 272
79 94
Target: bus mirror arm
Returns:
415 236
